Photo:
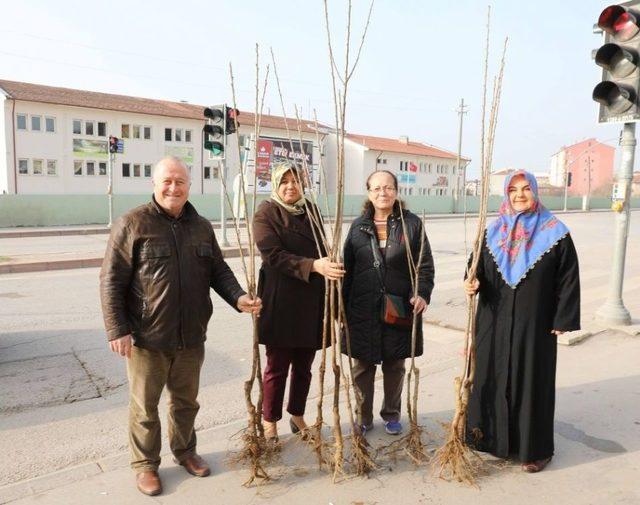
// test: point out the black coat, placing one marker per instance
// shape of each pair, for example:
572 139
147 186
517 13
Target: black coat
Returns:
513 397
372 340
292 296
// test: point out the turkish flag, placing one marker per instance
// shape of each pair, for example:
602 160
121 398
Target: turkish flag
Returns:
413 167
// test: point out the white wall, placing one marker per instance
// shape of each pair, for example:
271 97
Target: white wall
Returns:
557 168
362 161
58 146
6 149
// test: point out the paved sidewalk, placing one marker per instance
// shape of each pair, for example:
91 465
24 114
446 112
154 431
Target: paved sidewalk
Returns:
597 443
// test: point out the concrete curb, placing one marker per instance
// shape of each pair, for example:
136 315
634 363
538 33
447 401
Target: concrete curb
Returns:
43 266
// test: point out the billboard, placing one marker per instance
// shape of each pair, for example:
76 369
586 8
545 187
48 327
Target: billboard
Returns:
272 151
182 153
95 149
404 178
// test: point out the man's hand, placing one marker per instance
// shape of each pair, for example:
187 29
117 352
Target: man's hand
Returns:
251 305
557 332
121 346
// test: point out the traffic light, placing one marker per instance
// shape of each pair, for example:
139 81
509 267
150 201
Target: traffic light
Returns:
113 144
619 58
569 177
214 133
232 116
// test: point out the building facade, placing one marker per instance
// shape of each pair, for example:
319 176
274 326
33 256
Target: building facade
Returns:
54 141
421 169
590 164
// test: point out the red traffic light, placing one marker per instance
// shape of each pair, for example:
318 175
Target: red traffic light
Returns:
619 23
113 144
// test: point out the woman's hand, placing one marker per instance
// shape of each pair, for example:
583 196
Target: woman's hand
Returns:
419 304
471 288
330 270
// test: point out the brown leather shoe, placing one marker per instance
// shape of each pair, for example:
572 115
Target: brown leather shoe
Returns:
195 465
535 466
148 482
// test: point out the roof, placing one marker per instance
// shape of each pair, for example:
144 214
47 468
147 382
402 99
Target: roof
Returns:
396 146
503 171
121 103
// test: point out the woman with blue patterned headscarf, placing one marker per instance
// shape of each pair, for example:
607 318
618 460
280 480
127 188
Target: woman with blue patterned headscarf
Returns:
529 293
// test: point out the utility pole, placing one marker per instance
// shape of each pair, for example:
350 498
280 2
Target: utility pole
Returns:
461 112
613 311
587 205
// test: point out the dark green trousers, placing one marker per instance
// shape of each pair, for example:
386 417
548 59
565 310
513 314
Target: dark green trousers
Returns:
149 372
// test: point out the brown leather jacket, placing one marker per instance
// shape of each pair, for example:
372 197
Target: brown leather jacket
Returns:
156 275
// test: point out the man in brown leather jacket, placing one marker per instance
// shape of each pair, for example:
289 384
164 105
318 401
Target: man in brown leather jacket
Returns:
161 260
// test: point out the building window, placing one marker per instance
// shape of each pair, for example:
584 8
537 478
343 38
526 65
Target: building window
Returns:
147 133
136 131
50 124
77 167
23 167
88 127
21 121
167 134
124 131
178 134
36 123
102 168
91 168
102 129
37 167
216 172
126 170
77 127
52 168
207 172
147 170
187 135
136 170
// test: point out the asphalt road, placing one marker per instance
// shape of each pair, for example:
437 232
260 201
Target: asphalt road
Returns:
64 394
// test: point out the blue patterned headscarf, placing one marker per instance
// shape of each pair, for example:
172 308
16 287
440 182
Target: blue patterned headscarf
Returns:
517 240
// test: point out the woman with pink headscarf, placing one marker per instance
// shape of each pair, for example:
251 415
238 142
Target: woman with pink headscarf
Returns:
529 293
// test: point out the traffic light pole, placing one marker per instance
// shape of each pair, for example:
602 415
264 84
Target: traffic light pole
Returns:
613 311
112 162
223 185
566 183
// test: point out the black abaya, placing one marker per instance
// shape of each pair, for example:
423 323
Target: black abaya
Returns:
511 406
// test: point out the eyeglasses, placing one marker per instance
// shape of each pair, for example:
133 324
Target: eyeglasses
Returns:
379 189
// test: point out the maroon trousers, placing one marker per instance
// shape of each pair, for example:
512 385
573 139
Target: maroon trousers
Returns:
275 379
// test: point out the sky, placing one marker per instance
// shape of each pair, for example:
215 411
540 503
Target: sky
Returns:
419 59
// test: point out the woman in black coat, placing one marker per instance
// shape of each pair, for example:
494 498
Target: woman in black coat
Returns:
529 289
291 286
375 260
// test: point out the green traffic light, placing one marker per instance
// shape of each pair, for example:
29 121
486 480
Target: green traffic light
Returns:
216 148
